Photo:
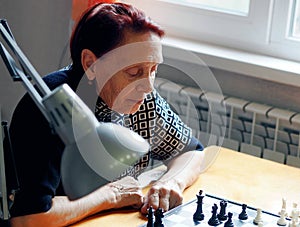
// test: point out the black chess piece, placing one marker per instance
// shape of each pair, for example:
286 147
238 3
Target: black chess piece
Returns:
229 222
214 221
158 217
199 215
243 215
150 217
222 216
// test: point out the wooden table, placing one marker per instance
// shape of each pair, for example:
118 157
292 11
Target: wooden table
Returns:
234 176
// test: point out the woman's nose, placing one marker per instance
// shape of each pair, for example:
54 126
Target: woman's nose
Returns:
145 85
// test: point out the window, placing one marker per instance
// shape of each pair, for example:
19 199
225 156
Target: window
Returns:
268 27
295 21
239 7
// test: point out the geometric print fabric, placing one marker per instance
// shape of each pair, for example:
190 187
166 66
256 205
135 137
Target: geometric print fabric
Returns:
155 121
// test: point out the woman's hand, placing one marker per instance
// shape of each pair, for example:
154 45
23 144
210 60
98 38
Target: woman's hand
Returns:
181 173
125 192
166 195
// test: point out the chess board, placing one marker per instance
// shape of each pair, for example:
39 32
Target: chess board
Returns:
182 216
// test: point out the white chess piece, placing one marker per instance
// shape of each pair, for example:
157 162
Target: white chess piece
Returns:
295 216
258 218
282 220
294 209
284 203
293 224
260 224
283 207
295 213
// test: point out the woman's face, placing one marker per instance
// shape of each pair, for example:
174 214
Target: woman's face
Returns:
125 91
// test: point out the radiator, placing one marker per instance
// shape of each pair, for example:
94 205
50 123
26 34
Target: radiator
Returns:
254 128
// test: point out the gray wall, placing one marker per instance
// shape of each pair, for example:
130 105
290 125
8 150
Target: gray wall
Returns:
41 29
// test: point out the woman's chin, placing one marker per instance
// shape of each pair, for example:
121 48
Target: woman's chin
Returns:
129 109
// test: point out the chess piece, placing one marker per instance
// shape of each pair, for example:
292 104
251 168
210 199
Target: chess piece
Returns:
258 217
214 221
283 207
150 217
294 216
199 215
293 223
158 218
243 215
222 216
282 220
294 210
229 222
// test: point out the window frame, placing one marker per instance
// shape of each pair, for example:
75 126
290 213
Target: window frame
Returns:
281 43
264 31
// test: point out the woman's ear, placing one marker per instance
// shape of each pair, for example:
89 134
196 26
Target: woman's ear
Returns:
87 60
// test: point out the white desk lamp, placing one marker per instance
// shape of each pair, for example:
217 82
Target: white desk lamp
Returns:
93 150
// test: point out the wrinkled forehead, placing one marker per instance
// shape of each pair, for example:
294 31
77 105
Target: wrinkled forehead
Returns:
131 54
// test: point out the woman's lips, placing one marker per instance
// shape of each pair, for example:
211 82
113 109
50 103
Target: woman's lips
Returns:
140 101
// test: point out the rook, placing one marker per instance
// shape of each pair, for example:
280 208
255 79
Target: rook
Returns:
222 215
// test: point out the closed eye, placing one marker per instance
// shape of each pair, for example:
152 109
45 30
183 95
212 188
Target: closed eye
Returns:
134 71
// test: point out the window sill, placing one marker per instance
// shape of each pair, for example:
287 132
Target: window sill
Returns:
259 66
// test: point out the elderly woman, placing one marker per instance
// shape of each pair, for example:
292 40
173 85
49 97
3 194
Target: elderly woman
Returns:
117 50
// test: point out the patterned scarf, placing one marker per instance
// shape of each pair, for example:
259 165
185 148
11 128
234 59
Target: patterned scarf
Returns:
155 121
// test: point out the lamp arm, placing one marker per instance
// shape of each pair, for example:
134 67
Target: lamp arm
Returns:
85 139
23 60
18 73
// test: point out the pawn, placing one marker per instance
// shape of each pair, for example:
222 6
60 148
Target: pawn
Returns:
229 222
243 215
258 217
214 221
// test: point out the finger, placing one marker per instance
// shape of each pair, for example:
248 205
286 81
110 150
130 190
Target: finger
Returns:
135 199
175 201
138 204
151 200
144 209
164 202
172 202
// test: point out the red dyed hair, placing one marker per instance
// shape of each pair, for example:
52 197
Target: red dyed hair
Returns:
78 6
101 28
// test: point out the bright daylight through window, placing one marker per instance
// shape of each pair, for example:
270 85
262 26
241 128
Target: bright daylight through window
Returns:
239 7
265 27
295 25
